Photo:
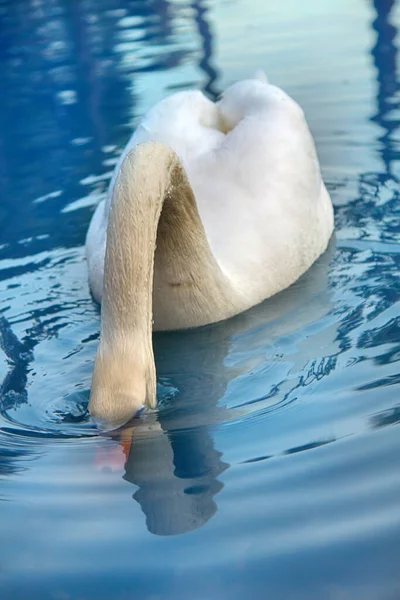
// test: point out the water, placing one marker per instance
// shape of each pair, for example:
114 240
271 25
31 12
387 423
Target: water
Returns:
271 468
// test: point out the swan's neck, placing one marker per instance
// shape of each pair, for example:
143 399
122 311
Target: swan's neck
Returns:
135 210
152 206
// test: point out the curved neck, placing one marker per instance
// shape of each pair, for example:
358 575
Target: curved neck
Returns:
155 234
136 205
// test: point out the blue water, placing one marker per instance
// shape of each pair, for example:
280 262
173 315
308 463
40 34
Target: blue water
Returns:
271 468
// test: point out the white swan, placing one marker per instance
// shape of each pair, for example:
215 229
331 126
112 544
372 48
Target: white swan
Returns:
211 209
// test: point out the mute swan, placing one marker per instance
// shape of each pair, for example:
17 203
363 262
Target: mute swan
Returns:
212 208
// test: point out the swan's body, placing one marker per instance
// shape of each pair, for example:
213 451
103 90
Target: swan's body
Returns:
227 208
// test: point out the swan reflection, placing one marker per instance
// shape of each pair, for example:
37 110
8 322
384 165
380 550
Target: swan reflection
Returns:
176 474
171 454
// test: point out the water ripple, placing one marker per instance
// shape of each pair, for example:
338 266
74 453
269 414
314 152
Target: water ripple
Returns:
273 447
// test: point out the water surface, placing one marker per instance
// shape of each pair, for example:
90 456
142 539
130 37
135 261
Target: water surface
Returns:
270 469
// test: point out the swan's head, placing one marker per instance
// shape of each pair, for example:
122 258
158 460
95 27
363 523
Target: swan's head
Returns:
123 384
